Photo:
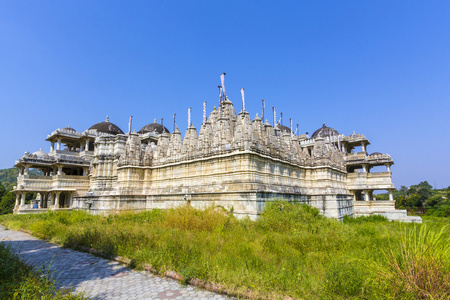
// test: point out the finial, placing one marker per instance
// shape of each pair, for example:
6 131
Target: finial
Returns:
107 118
281 118
154 121
243 99
189 117
68 126
204 112
323 125
214 108
296 130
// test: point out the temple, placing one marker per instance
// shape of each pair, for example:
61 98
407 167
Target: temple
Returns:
232 161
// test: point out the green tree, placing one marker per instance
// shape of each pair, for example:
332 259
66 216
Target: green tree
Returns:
433 201
7 203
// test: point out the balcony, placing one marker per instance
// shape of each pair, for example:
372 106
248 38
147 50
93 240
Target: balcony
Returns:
37 183
370 181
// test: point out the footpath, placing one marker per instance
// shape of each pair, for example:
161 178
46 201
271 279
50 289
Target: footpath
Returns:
95 277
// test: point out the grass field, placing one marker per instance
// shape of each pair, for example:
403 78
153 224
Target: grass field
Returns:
291 250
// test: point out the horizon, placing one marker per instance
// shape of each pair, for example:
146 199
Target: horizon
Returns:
379 69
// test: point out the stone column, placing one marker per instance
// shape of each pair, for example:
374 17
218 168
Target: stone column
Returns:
365 195
22 198
363 147
70 199
52 147
364 168
388 168
52 199
17 200
59 170
81 147
391 195
57 194
86 148
58 145
25 170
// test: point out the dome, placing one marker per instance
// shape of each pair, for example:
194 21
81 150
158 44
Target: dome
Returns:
68 128
107 127
324 131
153 127
284 129
375 153
40 154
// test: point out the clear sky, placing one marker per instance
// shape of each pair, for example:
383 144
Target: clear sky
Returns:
380 68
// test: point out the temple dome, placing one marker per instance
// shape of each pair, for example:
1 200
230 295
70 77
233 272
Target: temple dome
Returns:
68 128
153 127
107 127
284 129
40 154
375 153
324 131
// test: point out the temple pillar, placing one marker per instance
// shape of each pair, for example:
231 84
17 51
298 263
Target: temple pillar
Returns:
22 198
363 147
58 145
52 199
57 194
391 195
25 170
17 200
52 147
388 168
86 148
364 167
70 199
59 170
81 146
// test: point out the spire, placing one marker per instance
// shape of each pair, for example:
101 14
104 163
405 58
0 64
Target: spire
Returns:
243 99
162 121
107 118
281 118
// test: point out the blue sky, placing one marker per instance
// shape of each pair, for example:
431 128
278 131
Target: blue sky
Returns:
380 68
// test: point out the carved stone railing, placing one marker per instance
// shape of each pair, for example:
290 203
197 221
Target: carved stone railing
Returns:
46 183
370 181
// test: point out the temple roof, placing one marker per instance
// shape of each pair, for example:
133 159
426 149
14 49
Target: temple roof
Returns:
153 127
107 127
324 131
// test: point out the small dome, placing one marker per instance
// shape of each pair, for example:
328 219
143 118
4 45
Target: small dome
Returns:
68 128
284 129
324 131
153 127
375 153
40 154
107 127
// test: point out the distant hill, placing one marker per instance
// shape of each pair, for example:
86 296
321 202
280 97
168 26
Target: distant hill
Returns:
8 176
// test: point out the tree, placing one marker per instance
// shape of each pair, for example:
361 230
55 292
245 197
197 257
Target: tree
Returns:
433 201
2 190
7 203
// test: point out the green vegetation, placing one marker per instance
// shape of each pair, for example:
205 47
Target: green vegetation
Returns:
291 250
19 281
8 179
422 198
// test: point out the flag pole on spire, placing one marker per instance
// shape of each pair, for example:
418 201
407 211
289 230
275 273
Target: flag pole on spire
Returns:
243 99
129 125
189 117
263 108
174 123
204 112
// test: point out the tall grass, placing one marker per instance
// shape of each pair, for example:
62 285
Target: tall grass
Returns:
291 250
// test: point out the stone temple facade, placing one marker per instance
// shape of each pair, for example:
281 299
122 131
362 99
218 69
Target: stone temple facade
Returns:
230 161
